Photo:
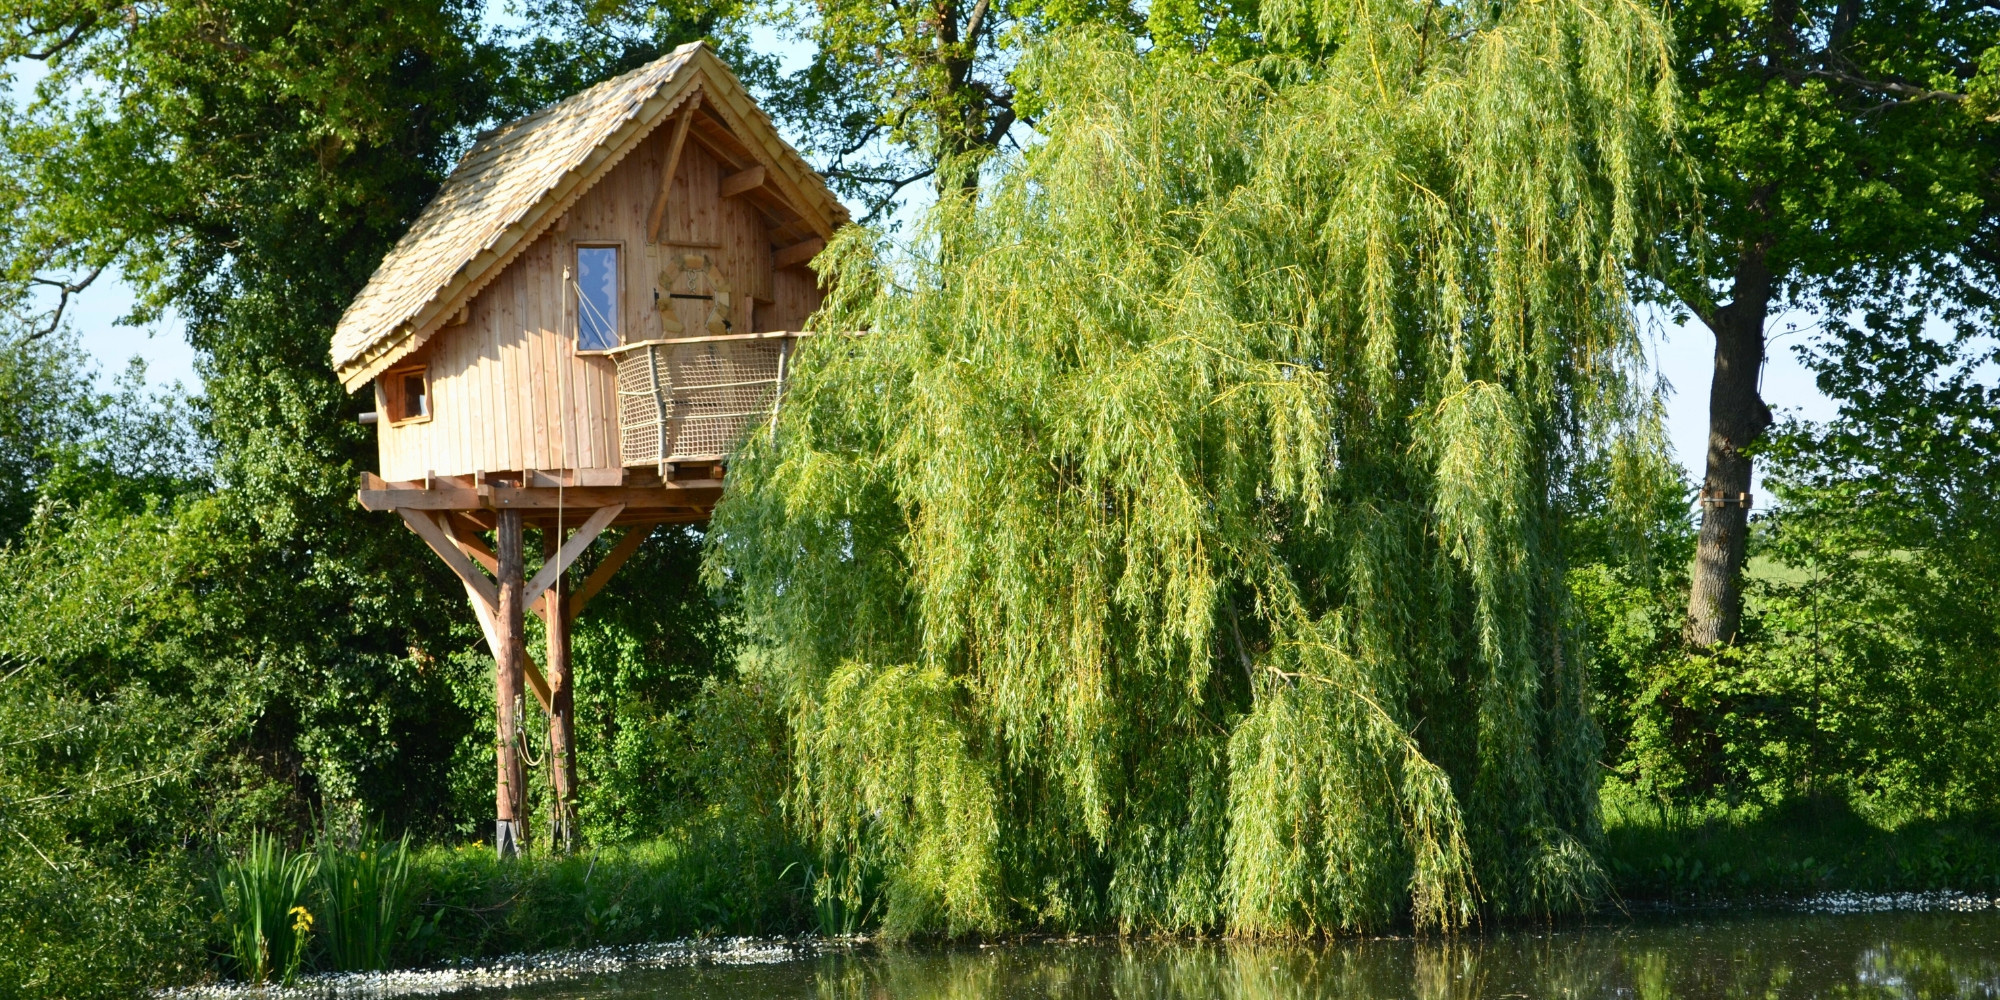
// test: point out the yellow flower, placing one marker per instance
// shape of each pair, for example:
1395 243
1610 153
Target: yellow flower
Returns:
302 919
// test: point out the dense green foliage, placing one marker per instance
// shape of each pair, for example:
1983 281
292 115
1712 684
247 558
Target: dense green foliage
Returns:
1868 672
1850 161
1718 853
1890 622
1846 146
1180 542
1244 513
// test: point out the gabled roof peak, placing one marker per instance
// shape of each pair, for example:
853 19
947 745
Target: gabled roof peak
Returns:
519 177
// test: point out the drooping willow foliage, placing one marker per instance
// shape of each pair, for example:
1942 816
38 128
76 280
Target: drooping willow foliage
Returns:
1176 550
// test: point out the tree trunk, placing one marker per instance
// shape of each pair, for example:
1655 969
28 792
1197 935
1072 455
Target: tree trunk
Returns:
510 829
1737 417
562 707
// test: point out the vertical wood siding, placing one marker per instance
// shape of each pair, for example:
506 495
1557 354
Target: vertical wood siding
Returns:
508 391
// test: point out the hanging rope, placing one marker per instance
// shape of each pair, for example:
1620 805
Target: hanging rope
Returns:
521 746
572 335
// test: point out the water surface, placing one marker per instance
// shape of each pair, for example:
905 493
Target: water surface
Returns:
1768 957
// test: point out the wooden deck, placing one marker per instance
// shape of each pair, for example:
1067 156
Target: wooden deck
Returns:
688 497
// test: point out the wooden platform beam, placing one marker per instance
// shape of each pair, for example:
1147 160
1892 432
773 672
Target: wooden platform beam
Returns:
692 496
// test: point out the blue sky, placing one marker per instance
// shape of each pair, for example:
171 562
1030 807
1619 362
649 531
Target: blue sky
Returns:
1680 353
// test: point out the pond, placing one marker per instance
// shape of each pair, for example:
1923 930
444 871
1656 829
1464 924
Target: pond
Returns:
1756 957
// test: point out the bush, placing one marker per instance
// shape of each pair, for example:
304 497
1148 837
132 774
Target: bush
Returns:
93 899
72 926
1809 844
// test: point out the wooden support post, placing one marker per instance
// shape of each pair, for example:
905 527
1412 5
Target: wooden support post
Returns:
510 828
485 602
562 706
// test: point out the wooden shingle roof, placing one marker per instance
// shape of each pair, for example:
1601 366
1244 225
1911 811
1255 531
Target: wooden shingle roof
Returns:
519 178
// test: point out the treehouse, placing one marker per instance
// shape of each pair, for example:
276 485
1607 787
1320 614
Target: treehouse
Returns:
599 302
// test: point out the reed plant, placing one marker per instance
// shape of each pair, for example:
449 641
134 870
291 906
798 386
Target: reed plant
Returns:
365 896
260 894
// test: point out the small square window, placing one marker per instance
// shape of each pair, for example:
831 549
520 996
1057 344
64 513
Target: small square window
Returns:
597 299
406 394
416 399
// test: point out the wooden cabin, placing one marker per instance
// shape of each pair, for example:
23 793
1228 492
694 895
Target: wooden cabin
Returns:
599 302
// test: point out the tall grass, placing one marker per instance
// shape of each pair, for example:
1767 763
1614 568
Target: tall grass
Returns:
364 896
380 904
271 900
678 885
260 894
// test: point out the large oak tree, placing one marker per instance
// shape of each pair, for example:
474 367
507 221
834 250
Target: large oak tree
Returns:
1845 153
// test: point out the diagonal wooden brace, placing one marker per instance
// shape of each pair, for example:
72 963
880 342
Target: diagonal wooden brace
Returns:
479 590
441 541
465 532
530 670
656 219
572 547
634 537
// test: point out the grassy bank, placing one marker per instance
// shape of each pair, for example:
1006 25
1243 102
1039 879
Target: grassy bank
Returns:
272 912
467 904
1820 845
471 904
454 903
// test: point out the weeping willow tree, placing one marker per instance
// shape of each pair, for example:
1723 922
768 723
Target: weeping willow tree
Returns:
1177 549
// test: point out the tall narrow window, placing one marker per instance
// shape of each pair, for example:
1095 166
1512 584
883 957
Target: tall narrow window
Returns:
597 298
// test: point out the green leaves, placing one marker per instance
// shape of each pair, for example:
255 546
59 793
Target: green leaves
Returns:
1845 138
1210 456
886 750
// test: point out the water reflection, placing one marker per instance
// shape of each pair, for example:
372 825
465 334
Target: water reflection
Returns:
1876 957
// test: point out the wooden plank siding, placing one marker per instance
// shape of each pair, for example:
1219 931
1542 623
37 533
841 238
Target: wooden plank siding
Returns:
508 392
